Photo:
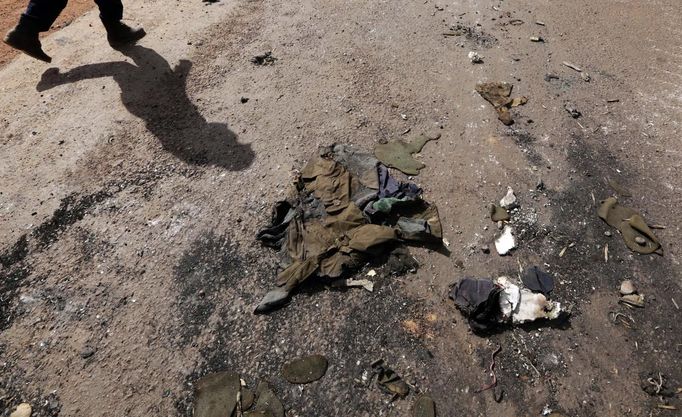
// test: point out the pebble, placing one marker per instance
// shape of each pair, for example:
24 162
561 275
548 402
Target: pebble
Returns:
87 352
509 200
627 287
23 410
640 240
485 249
608 233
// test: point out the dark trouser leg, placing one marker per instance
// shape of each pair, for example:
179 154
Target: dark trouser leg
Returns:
41 14
110 10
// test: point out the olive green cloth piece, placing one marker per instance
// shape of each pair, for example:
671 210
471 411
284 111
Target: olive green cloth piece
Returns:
216 395
305 370
424 407
329 181
631 226
398 154
498 213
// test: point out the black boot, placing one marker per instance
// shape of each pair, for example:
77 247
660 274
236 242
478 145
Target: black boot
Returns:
119 34
24 37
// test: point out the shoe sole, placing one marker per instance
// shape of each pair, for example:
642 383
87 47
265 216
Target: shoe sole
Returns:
44 57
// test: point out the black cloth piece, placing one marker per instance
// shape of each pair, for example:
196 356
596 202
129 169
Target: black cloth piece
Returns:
478 299
274 234
537 280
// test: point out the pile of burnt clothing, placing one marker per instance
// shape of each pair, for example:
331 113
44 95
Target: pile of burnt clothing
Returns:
344 209
488 303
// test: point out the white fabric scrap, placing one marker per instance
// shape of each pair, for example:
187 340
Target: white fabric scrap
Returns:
505 242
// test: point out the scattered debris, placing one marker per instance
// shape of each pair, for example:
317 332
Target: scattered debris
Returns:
536 39
612 100
627 287
217 395
493 383
364 283
655 385
424 407
549 77
505 242
498 94
633 300
22 410
472 33
305 370
398 154
509 200
340 215
572 66
498 213
475 57
264 59
389 381
537 280
624 319
371 273
537 22
585 76
488 303
244 100
631 225
572 110
485 249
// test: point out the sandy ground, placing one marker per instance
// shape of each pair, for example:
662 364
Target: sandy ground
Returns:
132 184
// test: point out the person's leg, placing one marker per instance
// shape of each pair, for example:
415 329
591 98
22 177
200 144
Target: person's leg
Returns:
39 17
43 13
110 10
118 33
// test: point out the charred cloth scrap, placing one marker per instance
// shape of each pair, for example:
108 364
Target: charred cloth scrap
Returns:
489 303
344 208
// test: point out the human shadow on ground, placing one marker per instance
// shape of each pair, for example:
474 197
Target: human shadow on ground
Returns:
157 94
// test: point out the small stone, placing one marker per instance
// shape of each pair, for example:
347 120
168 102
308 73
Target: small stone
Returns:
424 407
475 57
608 233
640 240
585 76
509 200
305 370
485 249
536 39
22 410
87 352
244 100
627 287
540 185
572 110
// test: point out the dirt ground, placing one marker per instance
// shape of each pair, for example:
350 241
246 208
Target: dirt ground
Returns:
132 184
10 10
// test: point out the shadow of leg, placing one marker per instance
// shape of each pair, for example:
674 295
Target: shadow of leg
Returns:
157 94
